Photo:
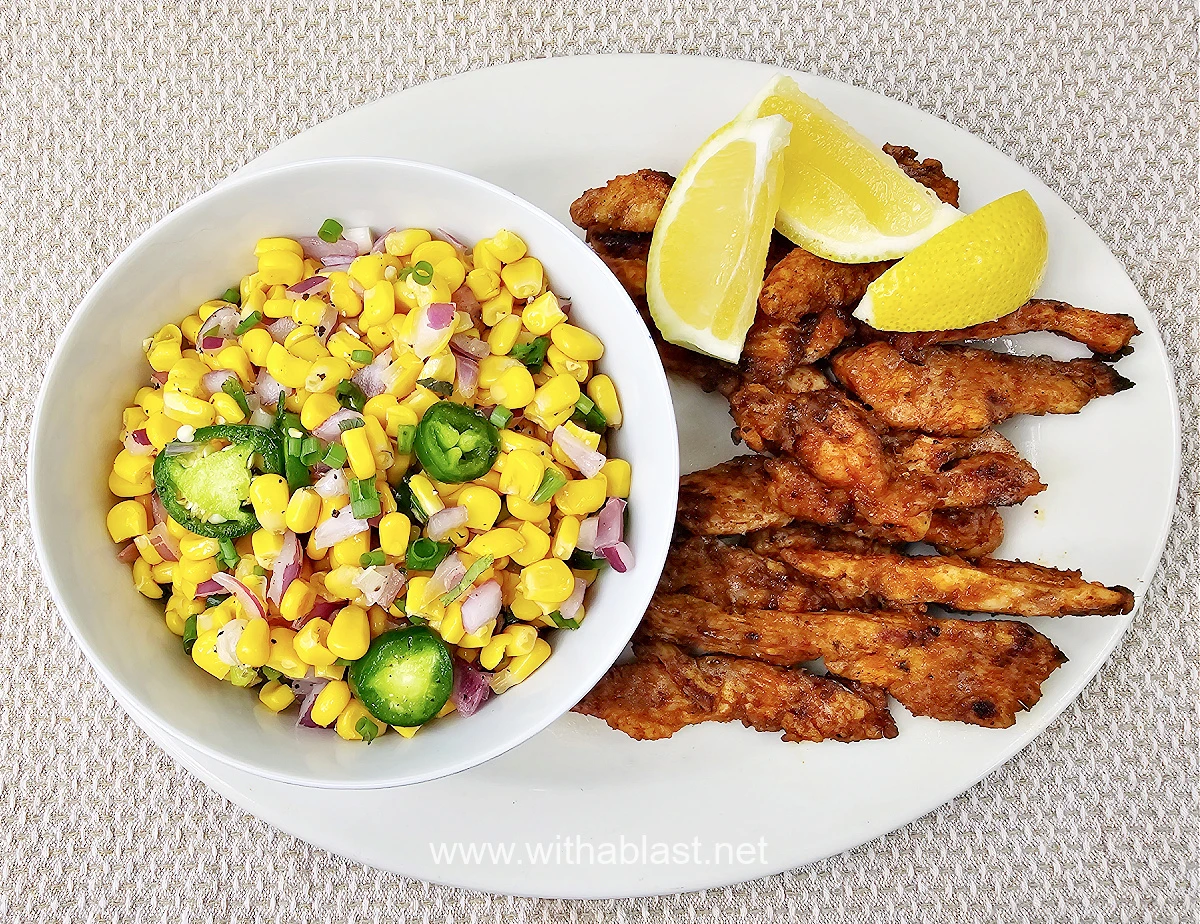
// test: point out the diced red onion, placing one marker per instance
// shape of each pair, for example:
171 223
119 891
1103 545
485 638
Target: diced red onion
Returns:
313 285
221 323
466 375
286 567
322 609
227 639
337 264
380 245
449 238
361 238
213 382
268 390
357 288
164 543
305 719
380 584
620 557
373 378
129 554
481 606
211 344
158 513
280 328
328 319
332 484
464 300
208 588
342 525
471 689
159 378
446 575
570 607
138 443
317 249
610 524
246 597
444 521
587 534
440 315
584 458
474 347
329 429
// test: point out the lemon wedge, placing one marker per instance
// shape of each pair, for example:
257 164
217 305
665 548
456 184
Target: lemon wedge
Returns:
843 198
710 243
979 269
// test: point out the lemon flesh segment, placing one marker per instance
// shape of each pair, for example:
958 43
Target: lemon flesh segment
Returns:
843 198
979 269
709 248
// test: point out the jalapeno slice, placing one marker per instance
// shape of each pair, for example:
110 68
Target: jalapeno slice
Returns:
405 678
206 487
455 443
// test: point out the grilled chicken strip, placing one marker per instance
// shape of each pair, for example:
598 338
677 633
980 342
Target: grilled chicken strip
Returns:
971 532
629 203
987 586
950 669
1106 335
956 390
665 689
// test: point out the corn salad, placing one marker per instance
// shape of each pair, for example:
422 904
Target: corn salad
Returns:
374 457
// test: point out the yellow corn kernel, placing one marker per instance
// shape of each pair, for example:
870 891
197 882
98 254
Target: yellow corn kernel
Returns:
527 510
499 543
425 494
395 530
405 380
519 669
514 389
226 408
618 475
128 519
198 548
492 652
330 702
195 571
288 370
524 608
350 634
491 368
256 343
303 343
122 488
415 602
343 297
185 376
161 429
297 600
378 620
407 732
132 418
218 616
451 272
147 550
185 409
537 546
308 311
377 439
589 438
402 243
379 337
507 247
483 283
450 628
333 671
521 473
176 530
367 269
563 364
497 308
344 344
554 403
319 408
277 306
324 376
350 550
280 267
310 643
543 314
149 400
434 252
283 654
164 349
174 617
378 407
190 327
143 579
579 498
302 510
254 644
275 696
269 496
339 583
358 452
266 546
484 258
268 244
479 638
565 538
524 279
511 440
440 368
379 305
519 640
236 360
483 506
133 468
350 718
204 654
602 391
577 343
503 336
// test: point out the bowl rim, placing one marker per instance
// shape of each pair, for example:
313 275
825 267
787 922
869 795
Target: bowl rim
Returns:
655 382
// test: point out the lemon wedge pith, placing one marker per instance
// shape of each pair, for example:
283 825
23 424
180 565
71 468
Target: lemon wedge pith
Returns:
709 248
843 198
979 269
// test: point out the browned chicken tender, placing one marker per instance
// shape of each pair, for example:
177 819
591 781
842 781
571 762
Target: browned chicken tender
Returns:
631 202
971 532
927 172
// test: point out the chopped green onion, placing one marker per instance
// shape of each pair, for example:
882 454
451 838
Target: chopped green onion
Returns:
351 396
481 565
367 559
552 480
259 571
215 600
422 273
532 354
228 554
417 620
352 424
331 231
364 498
233 295
367 729
233 388
561 622
585 561
335 456
189 634
270 673
248 322
406 435
425 554
588 415
444 389
500 417
294 434
362 356
310 450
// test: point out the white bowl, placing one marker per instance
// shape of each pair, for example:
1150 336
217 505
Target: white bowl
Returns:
190 256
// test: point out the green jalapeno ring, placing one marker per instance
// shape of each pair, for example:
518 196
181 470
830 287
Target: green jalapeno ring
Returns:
455 443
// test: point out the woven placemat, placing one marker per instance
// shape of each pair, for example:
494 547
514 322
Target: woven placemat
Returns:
113 113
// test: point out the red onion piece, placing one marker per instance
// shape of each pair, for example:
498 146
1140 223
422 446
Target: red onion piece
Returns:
159 378
208 588
473 347
313 285
440 315
481 606
329 429
317 249
328 320
129 554
322 609
280 328
361 238
164 543
211 344
221 323
466 375
610 524
443 234
158 513
587 534
380 245
380 584
446 575
583 457
472 687
246 597
286 567
620 556
214 381
444 521
138 443
332 484
268 390
374 378
305 719
570 607
342 525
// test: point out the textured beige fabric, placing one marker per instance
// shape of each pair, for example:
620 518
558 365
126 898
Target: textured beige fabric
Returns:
114 112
